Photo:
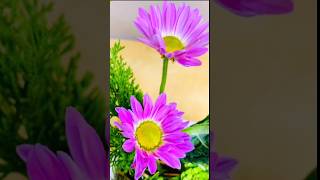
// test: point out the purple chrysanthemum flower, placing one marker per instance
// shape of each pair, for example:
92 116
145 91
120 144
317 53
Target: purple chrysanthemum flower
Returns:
88 160
257 7
177 33
154 133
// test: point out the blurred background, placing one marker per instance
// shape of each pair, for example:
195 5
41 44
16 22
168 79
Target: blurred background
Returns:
264 95
263 73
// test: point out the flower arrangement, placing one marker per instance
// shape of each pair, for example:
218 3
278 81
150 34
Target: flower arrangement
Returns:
148 140
156 133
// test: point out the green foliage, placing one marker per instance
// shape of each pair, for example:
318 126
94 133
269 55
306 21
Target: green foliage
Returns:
156 176
122 82
119 159
193 171
122 86
196 163
200 139
38 80
312 175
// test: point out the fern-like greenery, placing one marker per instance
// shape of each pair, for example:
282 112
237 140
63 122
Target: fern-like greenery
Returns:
122 86
122 82
38 80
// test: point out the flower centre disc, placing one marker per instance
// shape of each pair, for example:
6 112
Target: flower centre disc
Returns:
172 44
149 135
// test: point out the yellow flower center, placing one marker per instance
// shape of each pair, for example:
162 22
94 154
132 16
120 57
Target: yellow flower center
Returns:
172 44
149 135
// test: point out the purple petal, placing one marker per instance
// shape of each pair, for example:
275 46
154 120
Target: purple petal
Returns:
152 164
177 153
189 62
169 159
73 169
186 146
128 145
195 52
43 164
147 105
177 137
222 166
85 146
161 101
225 164
257 7
136 107
24 150
140 164
124 115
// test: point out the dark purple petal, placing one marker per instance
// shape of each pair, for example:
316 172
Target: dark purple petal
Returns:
24 150
257 7
43 164
222 167
73 169
85 146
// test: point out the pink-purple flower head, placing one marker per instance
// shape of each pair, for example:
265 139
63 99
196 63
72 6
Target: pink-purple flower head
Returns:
177 33
154 132
88 159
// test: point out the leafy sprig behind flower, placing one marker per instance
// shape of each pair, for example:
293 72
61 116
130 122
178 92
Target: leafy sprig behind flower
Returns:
122 82
122 86
35 87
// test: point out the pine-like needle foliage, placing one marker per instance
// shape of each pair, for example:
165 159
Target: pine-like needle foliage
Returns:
35 88
122 86
122 82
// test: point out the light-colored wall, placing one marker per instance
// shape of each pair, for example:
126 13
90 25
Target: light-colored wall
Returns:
123 14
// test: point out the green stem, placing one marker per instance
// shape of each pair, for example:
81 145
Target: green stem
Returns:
164 74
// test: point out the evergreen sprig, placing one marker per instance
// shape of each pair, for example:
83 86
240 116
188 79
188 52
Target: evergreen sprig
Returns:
122 82
38 80
122 87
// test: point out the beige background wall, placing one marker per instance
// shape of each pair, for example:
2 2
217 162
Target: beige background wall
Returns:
264 74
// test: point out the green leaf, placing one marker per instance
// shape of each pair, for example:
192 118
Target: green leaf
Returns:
199 129
200 139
